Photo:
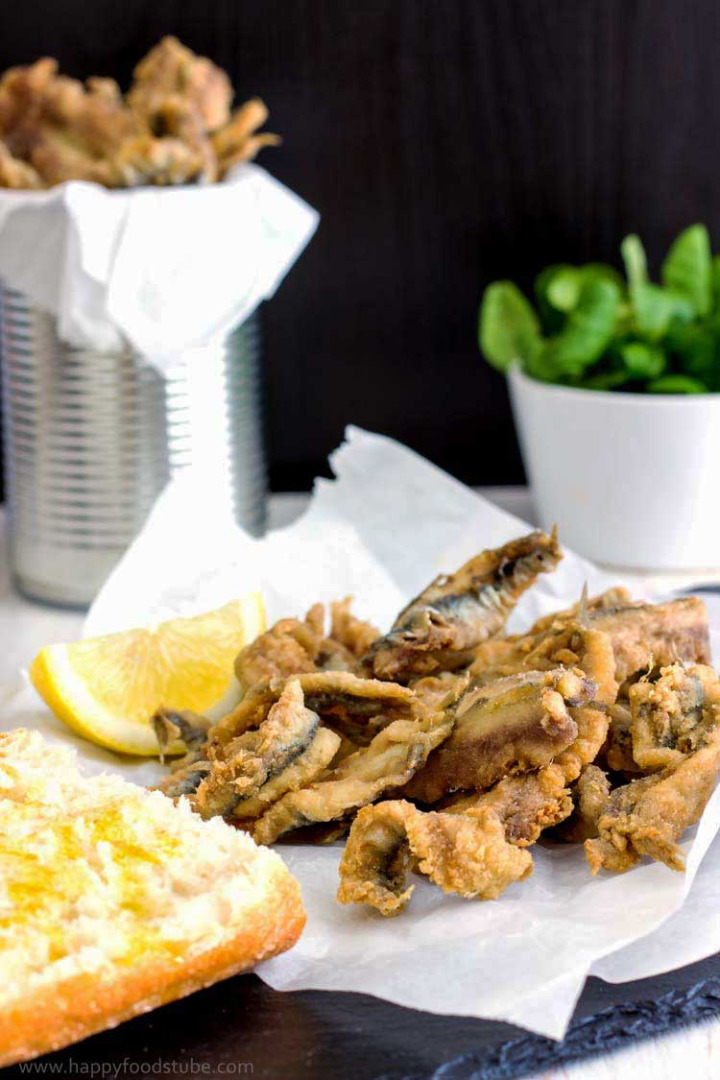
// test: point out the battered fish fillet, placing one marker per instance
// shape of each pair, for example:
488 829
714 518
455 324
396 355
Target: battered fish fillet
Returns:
673 716
641 634
525 805
590 796
648 816
513 726
466 854
386 764
658 634
440 628
248 762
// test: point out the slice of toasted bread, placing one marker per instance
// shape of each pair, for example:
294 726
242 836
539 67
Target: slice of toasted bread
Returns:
113 900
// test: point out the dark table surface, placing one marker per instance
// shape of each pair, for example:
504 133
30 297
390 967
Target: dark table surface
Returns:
243 1028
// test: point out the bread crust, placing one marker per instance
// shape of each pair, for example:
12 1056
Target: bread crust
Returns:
66 1012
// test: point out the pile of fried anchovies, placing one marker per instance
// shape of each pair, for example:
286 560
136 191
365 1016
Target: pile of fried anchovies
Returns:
446 747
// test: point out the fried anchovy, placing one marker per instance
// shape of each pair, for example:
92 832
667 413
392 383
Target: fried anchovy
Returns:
525 805
438 629
673 716
648 816
393 756
466 854
513 726
354 707
306 768
256 757
658 634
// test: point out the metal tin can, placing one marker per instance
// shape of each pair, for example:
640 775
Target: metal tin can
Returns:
91 439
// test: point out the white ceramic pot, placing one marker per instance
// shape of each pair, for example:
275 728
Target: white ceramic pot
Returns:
632 480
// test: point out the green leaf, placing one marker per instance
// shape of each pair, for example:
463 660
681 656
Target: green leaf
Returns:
642 361
677 384
605 380
695 347
635 261
550 317
586 334
565 285
509 330
654 308
688 270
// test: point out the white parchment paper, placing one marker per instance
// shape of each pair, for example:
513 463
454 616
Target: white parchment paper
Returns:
166 269
381 530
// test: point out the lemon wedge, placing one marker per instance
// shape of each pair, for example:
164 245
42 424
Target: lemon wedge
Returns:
107 688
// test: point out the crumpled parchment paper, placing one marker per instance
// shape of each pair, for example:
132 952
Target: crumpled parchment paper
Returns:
381 530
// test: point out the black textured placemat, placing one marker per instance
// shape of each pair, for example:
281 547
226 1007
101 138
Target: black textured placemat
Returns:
243 1028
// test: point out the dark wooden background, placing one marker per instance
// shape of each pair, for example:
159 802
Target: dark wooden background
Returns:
446 143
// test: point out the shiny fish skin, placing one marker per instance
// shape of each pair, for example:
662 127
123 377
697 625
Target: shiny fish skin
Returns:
456 613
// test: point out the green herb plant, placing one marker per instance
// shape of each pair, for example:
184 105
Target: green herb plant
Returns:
592 328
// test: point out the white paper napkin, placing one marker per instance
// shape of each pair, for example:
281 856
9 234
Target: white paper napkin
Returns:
165 269
382 529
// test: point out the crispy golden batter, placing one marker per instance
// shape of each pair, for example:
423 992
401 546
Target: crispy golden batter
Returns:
525 805
15 173
673 716
294 646
648 816
241 767
288 648
612 598
590 795
386 764
617 753
345 628
466 854
440 628
658 634
240 140
168 130
513 726
171 71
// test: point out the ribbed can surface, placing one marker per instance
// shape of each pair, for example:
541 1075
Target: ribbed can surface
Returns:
91 439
